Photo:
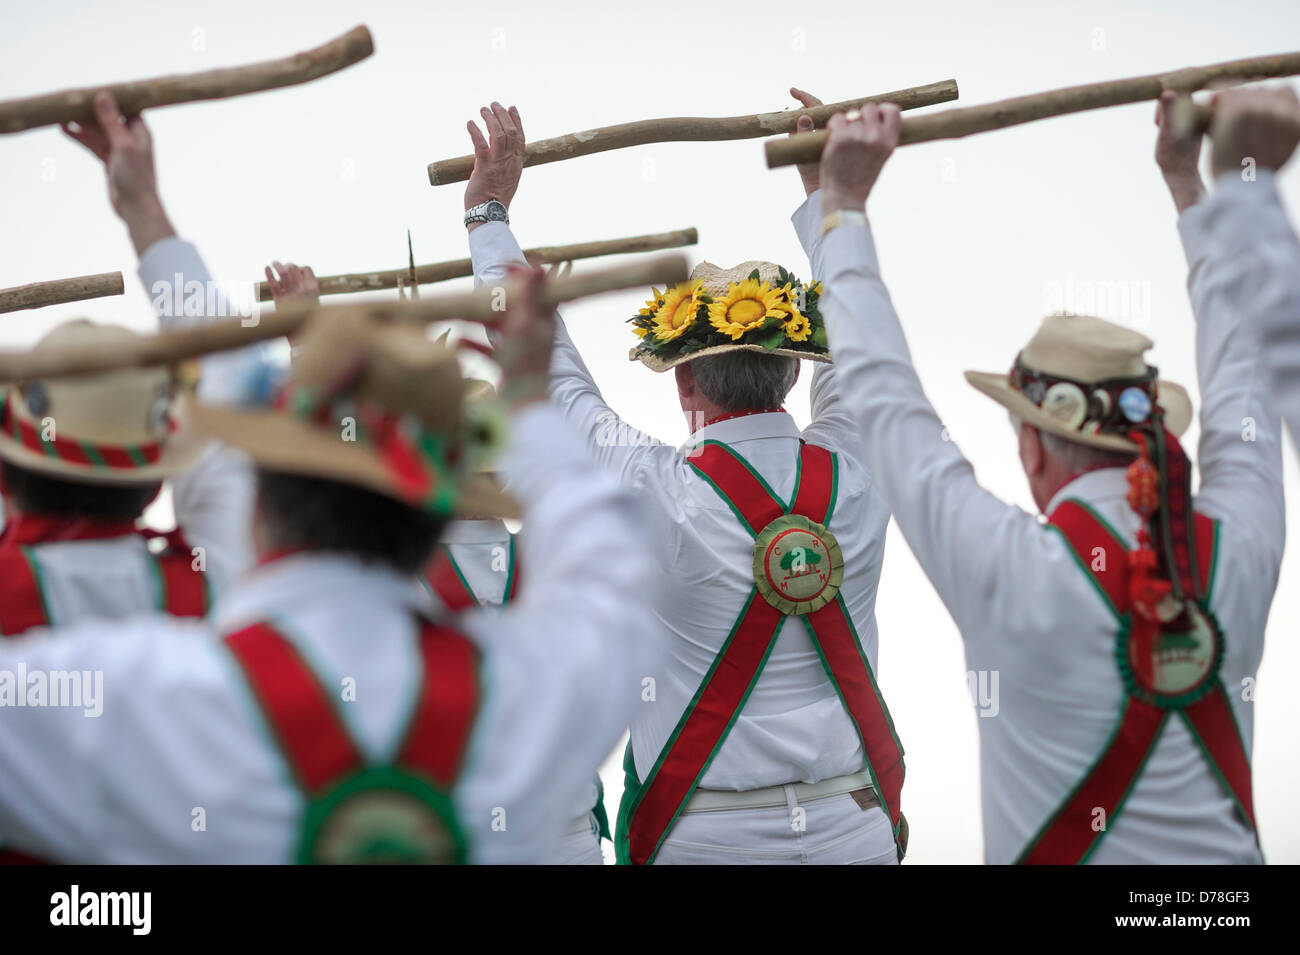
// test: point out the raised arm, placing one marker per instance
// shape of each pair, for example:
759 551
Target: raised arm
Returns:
944 514
1255 133
213 501
1233 272
498 166
567 657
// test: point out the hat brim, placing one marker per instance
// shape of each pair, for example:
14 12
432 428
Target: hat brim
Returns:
280 442
180 452
1172 397
657 364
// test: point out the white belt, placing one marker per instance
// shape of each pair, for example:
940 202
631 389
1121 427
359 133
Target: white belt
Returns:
718 800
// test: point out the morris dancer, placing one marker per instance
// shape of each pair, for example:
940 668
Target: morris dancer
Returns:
320 714
1126 631
765 739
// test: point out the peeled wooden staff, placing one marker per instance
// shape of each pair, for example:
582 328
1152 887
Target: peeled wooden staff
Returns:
691 129
483 305
443 271
956 123
75 105
40 294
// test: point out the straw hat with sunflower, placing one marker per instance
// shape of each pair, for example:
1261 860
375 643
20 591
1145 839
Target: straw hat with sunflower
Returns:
756 306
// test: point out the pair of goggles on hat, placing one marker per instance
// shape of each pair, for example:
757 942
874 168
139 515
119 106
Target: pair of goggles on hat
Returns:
1113 406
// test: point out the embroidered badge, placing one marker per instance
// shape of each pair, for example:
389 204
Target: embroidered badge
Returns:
1178 666
798 565
382 815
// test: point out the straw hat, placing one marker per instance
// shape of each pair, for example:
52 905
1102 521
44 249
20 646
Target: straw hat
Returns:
122 428
372 404
1085 379
718 284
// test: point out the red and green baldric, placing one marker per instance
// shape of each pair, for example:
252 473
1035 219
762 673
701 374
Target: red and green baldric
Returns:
1169 668
445 578
356 811
180 589
798 568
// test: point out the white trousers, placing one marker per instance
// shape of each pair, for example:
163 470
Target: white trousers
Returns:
830 831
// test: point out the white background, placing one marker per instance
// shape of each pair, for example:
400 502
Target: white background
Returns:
978 238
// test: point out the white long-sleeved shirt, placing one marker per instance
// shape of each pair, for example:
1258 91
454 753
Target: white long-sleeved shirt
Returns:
180 738
793 726
1027 613
1259 257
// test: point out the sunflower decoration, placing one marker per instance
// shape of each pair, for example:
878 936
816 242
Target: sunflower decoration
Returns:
754 306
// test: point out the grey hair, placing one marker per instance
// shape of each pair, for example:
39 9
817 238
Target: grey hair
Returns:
745 380
1075 456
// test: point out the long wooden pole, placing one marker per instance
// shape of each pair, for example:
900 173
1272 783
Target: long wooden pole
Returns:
690 129
956 123
484 305
75 105
459 268
40 294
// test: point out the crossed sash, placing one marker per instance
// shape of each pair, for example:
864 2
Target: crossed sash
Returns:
318 747
445 578
656 803
1069 836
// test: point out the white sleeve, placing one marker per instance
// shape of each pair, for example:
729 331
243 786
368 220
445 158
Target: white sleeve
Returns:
564 662
213 501
950 522
610 440
1241 264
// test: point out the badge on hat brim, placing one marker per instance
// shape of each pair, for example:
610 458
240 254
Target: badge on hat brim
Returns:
798 565
382 815
1135 404
1065 404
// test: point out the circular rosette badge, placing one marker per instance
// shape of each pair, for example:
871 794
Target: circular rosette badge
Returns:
382 816
1183 663
798 565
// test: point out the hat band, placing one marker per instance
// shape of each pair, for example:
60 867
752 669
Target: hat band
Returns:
417 460
109 457
1113 406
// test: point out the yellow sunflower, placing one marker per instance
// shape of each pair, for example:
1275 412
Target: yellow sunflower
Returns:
676 310
797 327
745 307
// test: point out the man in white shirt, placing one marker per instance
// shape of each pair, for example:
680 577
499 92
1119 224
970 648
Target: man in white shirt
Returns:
1125 636
764 738
320 713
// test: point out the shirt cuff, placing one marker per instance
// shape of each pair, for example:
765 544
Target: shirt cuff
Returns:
492 247
807 221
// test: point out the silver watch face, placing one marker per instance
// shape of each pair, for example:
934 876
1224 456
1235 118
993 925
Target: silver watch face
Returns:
495 211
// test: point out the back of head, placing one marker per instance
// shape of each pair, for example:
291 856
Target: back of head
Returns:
31 492
745 380
297 512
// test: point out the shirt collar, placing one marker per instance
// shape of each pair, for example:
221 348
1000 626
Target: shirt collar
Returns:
774 424
313 579
475 532
1102 484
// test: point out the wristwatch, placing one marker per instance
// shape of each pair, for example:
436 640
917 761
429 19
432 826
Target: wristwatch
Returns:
494 210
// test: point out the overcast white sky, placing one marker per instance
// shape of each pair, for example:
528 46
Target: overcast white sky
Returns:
978 238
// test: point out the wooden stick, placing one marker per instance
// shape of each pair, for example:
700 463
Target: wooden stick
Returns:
40 294
544 255
75 105
956 123
483 305
690 129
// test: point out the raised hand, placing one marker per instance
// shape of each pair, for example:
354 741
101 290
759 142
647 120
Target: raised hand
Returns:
1178 157
526 339
498 156
860 142
1259 125
809 172
125 148
292 283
